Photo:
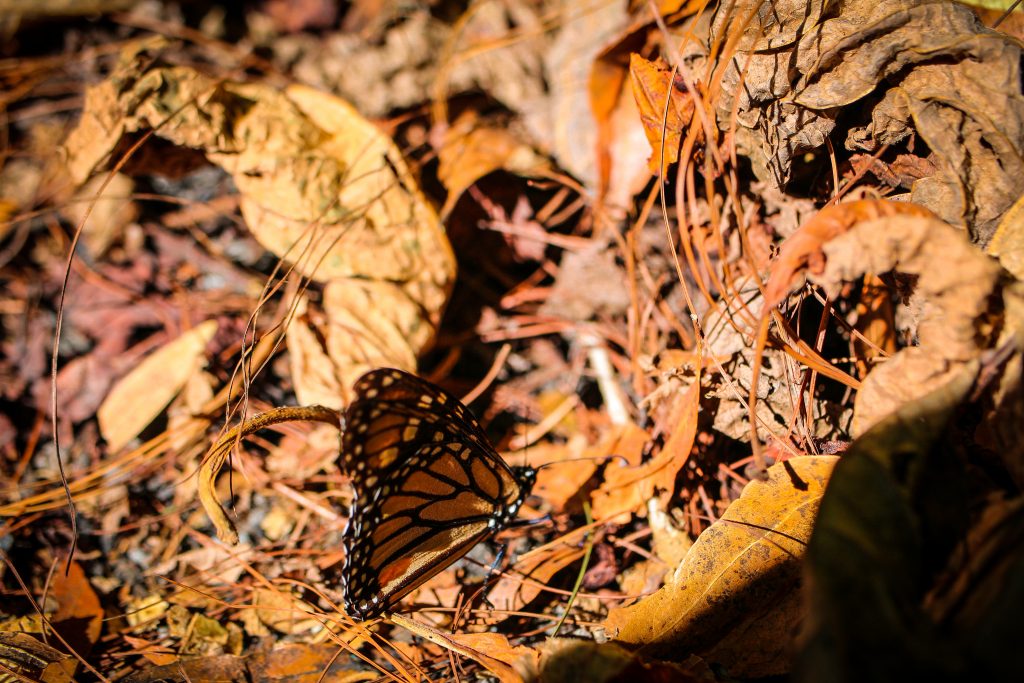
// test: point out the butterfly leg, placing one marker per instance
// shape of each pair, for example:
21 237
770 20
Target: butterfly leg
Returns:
519 523
493 574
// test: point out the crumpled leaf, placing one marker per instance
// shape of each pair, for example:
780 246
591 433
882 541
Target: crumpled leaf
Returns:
320 186
966 311
801 253
360 327
733 599
142 394
956 283
940 76
728 332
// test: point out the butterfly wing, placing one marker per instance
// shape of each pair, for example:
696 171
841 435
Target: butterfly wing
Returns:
428 487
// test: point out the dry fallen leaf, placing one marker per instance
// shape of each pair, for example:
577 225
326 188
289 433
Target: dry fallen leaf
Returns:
955 324
108 214
627 487
471 149
26 659
491 650
533 571
665 109
958 89
496 647
566 124
79 615
557 483
143 393
803 249
320 186
733 598
1008 241
283 612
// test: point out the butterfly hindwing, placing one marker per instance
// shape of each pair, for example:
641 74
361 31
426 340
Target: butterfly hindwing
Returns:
428 487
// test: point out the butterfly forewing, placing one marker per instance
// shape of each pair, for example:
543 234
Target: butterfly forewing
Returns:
428 487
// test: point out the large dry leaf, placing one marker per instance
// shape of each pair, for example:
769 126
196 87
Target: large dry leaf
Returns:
363 324
802 252
142 394
963 308
314 373
956 283
923 69
966 310
320 186
734 599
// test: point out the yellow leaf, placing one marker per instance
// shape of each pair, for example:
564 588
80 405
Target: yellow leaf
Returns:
734 598
144 392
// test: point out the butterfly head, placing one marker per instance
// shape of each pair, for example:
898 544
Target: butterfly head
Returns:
527 477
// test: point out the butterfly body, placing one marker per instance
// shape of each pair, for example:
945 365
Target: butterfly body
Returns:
428 487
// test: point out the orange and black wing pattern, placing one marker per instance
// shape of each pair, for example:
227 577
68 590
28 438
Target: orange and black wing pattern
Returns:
428 487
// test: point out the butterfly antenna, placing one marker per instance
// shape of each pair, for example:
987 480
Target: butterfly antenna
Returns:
526 441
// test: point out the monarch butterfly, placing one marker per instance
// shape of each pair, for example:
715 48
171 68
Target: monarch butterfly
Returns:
428 487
